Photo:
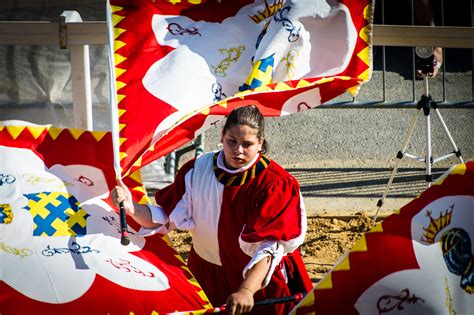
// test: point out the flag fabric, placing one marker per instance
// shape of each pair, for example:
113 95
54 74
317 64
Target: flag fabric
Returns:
418 260
60 250
181 66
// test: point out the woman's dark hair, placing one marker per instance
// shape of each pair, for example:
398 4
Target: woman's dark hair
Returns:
250 116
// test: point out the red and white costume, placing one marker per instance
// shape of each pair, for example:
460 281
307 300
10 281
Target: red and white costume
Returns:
236 218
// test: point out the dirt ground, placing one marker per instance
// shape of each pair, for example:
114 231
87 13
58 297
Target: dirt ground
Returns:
327 240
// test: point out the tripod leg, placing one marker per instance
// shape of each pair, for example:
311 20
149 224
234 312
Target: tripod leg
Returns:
428 158
456 152
399 156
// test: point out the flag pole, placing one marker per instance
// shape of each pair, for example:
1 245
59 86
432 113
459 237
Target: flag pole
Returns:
124 240
272 301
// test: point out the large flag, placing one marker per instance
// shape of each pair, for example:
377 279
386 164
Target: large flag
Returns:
418 260
60 250
180 66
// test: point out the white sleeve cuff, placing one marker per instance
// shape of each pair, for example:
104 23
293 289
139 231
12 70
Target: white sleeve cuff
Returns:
149 232
159 216
266 249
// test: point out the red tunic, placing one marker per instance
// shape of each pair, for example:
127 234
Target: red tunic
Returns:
232 217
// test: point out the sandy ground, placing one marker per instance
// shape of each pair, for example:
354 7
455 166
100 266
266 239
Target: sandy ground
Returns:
327 240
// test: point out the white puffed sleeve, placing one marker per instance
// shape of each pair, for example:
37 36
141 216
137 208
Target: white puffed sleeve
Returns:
275 249
182 215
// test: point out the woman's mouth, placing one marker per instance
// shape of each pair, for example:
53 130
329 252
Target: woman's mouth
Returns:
238 160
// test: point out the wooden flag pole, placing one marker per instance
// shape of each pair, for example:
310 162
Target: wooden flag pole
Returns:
124 240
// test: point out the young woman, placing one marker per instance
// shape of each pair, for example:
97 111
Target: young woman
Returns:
246 216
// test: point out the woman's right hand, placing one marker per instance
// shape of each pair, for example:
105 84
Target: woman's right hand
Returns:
240 302
122 193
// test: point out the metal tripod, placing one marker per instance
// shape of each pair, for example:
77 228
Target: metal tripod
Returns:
425 104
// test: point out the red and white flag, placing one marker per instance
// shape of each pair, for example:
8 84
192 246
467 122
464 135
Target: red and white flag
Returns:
418 260
60 250
181 66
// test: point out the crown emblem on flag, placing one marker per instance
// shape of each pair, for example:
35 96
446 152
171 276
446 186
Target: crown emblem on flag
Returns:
6 215
269 10
436 225
56 214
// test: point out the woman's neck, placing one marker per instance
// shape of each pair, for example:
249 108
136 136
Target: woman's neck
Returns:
221 163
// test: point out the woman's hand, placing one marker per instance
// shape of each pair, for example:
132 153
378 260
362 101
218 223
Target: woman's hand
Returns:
140 213
438 59
240 302
122 193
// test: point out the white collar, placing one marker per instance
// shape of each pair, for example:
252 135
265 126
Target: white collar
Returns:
221 165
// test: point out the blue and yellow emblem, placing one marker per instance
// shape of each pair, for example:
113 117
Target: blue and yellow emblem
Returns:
6 215
56 214
261 74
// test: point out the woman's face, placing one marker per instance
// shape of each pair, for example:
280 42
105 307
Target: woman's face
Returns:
241 145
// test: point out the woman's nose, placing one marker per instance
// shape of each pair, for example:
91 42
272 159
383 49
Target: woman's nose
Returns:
239 148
